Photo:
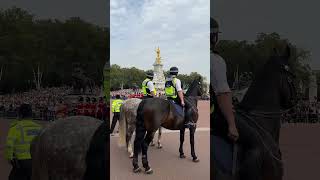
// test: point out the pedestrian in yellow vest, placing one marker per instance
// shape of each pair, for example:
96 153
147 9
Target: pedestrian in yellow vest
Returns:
116 105
19 139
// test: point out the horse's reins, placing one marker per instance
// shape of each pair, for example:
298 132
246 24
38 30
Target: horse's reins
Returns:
263 130
193 106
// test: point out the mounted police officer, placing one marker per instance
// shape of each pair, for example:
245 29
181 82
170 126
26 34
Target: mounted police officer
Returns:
173 90
17 150
223 125
148 89
116 105
222 97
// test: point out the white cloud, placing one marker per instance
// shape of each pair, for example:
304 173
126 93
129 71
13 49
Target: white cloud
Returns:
180 28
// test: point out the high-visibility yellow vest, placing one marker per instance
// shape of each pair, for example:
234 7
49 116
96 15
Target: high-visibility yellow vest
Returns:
20 137
170 88
145 90
116 105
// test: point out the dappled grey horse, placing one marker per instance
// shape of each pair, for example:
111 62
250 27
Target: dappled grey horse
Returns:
74 148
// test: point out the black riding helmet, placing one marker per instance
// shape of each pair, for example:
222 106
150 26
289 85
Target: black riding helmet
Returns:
149 74
214 26
25 111
174 71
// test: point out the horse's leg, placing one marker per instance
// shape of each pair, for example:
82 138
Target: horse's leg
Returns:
130 130
193 154
159 138
182 131
152 143
145 146
138 142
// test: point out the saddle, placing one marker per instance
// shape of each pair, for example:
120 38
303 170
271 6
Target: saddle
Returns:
178 108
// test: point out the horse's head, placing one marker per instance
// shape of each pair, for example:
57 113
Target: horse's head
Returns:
287 89
274 85
278 65
195 88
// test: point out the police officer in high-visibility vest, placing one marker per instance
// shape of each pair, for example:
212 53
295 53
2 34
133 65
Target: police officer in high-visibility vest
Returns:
148 89
116 105
173 90
17 150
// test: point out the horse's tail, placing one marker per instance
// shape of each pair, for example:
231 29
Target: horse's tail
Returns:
122 127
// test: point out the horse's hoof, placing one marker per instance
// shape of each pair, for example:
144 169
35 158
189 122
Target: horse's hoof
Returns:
131 156
149 171
137 170
160 146
196 160
152 144
182 156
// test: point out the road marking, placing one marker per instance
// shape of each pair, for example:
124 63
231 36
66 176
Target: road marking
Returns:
167 131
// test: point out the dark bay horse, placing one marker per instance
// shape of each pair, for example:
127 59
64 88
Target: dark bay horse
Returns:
74 148
258 155
127 125
155 112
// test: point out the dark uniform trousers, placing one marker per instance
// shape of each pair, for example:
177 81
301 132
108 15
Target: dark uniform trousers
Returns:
21 170
116 117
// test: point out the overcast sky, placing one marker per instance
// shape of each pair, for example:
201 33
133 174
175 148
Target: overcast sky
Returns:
93 11
179 27
296 20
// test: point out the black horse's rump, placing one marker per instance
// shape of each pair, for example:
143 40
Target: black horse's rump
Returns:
97 159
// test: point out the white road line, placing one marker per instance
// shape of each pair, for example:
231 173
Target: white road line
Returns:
167 131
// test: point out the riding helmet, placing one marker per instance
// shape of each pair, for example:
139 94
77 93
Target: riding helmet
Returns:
25 111
174 70
214 26
149 74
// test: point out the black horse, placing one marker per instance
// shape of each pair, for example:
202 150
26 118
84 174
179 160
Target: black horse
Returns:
155 112
257 154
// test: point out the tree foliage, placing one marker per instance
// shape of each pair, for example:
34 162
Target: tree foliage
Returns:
133 77
249 57
27 43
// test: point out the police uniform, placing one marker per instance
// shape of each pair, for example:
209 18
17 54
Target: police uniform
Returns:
17 150
172 87
147 88
116 105
219 85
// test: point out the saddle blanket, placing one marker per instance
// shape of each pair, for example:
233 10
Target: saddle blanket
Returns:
178 108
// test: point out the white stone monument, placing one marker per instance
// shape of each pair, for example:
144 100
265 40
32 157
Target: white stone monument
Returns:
158 77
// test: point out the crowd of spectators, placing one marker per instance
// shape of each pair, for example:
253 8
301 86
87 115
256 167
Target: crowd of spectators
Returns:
125 93
304 112
49 103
